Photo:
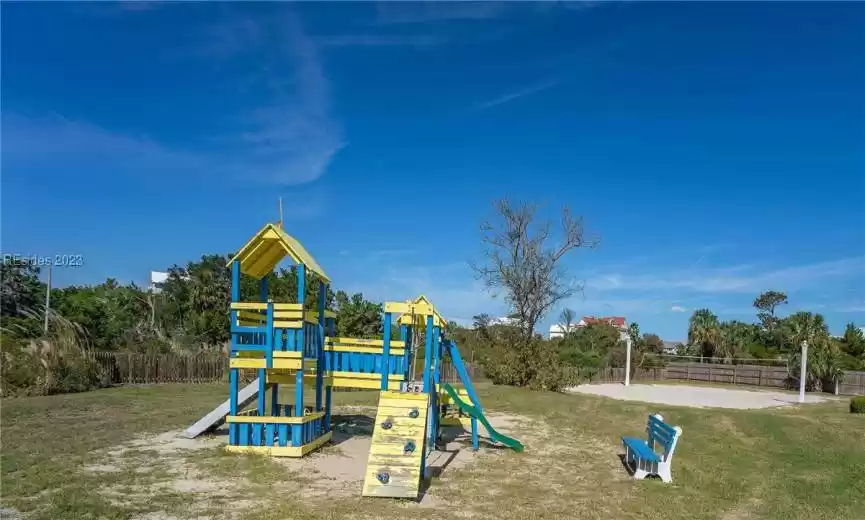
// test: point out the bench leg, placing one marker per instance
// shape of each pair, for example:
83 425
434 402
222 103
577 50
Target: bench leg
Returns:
664 472
640 469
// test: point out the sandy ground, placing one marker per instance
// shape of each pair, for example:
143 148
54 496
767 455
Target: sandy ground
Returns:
337 470
697 396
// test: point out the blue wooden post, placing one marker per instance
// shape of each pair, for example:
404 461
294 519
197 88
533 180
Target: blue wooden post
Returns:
296 439
404 337
235 297
262 289
262 390
319 371
427 354
385 356
232 405
268 336
433 395
274 399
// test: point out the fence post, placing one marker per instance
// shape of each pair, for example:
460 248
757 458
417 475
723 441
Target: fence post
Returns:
688 377
734 374
760 377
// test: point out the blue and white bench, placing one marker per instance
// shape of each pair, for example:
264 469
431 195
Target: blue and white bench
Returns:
655 456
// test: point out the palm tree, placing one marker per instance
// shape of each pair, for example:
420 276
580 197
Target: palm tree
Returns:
704 332
823 355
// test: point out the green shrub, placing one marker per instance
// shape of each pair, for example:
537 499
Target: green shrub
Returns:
857 404
509 359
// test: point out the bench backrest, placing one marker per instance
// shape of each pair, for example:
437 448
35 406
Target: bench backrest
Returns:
662 435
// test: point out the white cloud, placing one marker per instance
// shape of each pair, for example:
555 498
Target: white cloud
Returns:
381 40
290 138
678 308
734 279
426 12
511 96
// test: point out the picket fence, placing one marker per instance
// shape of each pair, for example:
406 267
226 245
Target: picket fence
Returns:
132 368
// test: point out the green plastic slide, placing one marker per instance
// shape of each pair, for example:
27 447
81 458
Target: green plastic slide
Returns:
479 415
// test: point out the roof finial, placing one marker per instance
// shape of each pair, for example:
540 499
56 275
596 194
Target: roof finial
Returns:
280 214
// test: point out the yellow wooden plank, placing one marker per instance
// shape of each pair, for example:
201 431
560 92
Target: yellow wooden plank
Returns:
403 412
396 450
404 396
249 305
258 419
365 342
283 324
363 350
368 384
276 353
282 451
291 378
365 375
280 363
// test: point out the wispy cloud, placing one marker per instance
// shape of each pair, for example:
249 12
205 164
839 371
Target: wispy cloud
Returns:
289 138
678 308
294 136
381 40
511 96
733 279
426 12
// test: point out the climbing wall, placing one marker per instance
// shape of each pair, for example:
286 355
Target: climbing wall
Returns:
396 454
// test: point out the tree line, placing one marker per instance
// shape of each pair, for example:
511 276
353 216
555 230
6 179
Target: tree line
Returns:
521 261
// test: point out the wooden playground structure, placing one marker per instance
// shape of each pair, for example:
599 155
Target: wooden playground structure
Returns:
294 343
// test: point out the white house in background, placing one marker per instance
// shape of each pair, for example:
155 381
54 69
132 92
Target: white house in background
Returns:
157 278
558 330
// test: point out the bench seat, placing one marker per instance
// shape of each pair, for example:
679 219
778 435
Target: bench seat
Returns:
641 448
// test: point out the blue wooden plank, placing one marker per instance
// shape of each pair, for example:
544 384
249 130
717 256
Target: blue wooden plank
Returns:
232 391
243 434
256 434
640 447
274 399
269 434
427 357
328 392
385 356
296 439
283 435
232 434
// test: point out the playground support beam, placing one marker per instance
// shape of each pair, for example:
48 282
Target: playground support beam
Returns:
385 358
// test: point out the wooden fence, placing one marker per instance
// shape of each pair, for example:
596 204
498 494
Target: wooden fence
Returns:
130 368
851 383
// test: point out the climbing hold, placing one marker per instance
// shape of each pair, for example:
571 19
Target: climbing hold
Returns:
409 447
387 424
414 413
383 477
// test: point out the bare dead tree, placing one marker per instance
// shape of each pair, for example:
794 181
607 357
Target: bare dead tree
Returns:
522 259
566 320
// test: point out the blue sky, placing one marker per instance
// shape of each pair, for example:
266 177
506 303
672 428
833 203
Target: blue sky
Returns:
717 148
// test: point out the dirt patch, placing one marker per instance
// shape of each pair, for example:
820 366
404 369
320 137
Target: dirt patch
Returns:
170 465
696 396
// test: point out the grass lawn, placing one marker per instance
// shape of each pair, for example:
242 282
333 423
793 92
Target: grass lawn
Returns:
793 462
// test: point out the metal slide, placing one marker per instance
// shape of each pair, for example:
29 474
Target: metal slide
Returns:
479 415
217 416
